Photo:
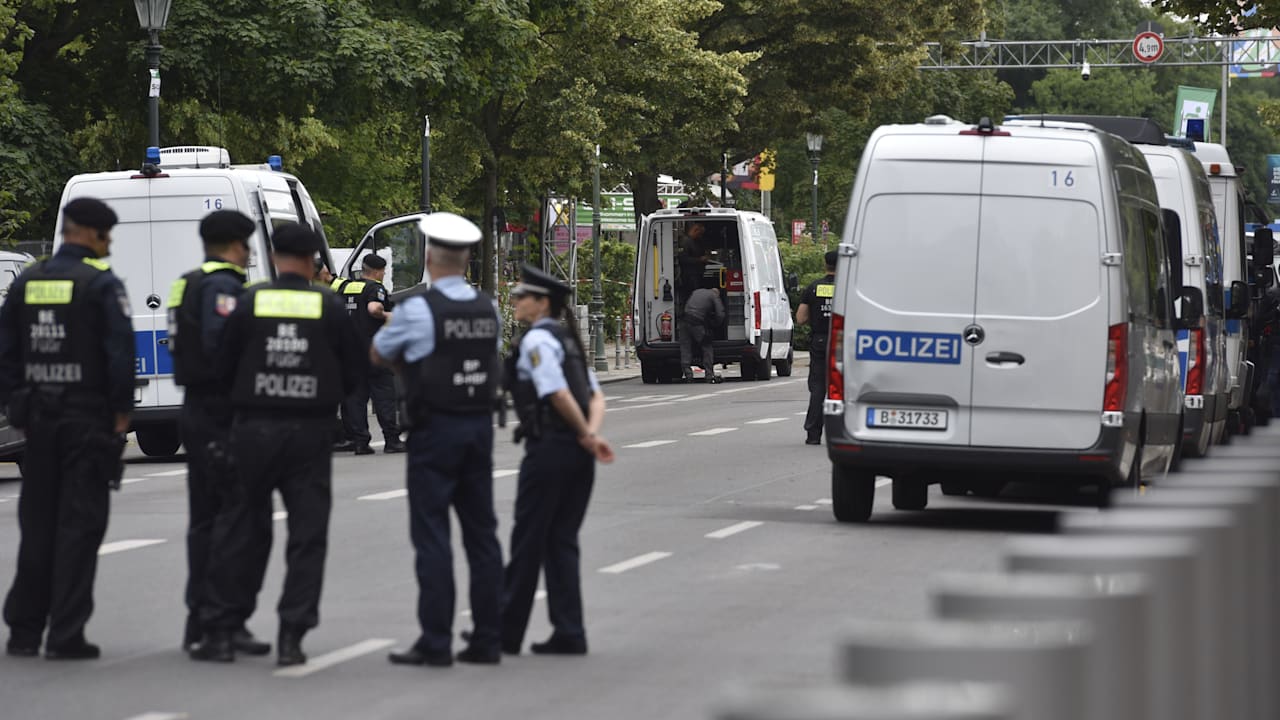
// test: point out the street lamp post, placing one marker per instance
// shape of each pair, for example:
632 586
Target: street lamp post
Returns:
597 292
814 141
152 16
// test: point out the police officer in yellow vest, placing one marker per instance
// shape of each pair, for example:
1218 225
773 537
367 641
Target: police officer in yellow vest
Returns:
369 305
815 311
291 355
66 376
199 304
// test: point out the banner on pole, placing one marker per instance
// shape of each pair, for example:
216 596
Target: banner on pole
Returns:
1193 102
1273 179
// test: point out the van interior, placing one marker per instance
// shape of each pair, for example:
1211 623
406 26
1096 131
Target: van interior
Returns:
680 252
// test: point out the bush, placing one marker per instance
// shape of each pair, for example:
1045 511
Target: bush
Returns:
805 260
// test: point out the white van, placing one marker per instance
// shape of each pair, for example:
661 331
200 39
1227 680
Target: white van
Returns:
158 239
740 247
1005 303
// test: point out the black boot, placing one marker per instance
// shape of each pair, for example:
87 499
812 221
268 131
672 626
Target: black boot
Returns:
344 446
244 642
215 647
191 633
290 648
394 445
688 374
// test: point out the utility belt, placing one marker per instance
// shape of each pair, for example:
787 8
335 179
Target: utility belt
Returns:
291 415
40 401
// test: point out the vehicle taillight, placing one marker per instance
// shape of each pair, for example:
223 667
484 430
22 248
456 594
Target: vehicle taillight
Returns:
755 297
1195 362
835 366
1117 368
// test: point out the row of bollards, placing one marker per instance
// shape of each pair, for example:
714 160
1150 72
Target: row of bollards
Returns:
1161 608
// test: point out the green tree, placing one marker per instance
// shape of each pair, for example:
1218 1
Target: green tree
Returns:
1224 16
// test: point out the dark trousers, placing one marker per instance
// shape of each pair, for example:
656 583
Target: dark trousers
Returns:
556 477
62 514
697 336
817 385
451 464
379 385
291 455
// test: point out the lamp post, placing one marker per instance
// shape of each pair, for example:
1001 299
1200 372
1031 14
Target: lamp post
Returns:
597 292
814 141
152 16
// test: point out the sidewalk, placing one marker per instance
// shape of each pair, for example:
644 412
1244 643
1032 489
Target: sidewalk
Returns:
631 366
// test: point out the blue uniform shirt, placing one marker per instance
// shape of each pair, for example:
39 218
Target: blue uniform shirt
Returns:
411 334
542 360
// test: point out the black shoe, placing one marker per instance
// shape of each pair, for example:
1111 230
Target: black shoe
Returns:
344 446
560 645
813 440
20 649
394 446
191 633
215 647
414 656
289 645
79 651
364 449
479 656
688 374
244 642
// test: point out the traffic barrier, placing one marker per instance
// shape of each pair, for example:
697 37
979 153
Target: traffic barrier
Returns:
1042 663
1114 606
915 701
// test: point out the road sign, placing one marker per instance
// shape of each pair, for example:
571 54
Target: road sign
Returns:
1148 47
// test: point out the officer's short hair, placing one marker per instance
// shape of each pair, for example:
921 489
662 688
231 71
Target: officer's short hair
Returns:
374 262
223 227
91 213
830 258
295 240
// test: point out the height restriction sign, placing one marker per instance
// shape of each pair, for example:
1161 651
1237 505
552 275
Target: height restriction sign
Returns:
1148 47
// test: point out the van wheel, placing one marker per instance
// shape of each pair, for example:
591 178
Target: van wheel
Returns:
852 493
954 488
159 441
648 373
783 366
910 493
1175 462
764 369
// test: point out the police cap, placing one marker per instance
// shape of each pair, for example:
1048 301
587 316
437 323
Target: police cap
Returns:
90 213
296 240
221 227
374 262
448 230
830 258
536 282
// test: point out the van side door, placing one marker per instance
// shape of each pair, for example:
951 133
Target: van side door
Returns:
399 241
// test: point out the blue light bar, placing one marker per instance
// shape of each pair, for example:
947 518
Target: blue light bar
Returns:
153 155
275 162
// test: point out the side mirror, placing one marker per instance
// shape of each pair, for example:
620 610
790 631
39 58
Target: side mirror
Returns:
1191 307
793 281
1238 300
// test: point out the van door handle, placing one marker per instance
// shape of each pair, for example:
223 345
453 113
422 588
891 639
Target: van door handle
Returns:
1005 358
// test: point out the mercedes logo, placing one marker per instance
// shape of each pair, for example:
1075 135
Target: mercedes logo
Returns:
974 334
153 301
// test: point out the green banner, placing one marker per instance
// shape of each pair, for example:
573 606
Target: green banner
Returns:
617 210
1193 102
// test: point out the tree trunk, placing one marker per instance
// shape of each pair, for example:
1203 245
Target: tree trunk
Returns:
490 115
644 194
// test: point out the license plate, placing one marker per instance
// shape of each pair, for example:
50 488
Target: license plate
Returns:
881 417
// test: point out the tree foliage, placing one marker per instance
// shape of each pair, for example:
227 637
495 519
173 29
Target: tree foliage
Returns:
1224 16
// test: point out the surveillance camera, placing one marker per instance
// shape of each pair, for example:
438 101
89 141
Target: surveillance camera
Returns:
1084 71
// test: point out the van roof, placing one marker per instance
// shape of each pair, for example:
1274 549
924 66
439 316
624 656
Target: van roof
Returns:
676 213
1056 129
183 172
1137 130
1211 154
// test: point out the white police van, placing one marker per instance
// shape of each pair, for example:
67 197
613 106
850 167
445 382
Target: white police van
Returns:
158 239
741 250
1004 305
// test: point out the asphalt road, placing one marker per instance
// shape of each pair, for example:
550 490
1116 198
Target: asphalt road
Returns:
710 559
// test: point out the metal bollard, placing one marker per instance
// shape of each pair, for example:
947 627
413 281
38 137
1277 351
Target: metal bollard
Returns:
910 701
1167 565
1220 688
617 348
1043 663
1248 591
1114 606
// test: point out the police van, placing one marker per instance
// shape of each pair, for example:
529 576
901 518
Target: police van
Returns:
676 249
1005 307
157 240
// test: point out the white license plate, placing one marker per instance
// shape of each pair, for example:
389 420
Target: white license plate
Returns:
882 417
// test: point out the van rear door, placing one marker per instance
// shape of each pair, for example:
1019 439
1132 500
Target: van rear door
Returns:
1040 303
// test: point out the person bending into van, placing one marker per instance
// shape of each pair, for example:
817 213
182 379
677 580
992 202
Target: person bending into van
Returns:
815 311
703 314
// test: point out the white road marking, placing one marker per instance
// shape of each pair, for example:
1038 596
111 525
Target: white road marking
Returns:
881 482
635 562
649 444
328 660
712 431
752 567
160 716
4 500
378 443
806 507
802 414
504 473
388 495
723 533
130 481
168 473
279 515
766 421
822 501
123 545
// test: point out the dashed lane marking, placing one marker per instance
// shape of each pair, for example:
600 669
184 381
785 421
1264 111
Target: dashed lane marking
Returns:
766 421
806 507
279 515
328 660
388 495
122 545
160 716
723 533
168 473
504 473
712 431
881 482
635 562
802 414
650 444
822 501
130 481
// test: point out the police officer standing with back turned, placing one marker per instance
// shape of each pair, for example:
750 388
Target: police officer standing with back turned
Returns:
561 410
369 305
291 355
446 344
66 375
815 310
199 304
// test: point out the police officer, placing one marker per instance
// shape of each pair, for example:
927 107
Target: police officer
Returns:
291 355
446 343
815 311
66 374
561 409
369 306
199 304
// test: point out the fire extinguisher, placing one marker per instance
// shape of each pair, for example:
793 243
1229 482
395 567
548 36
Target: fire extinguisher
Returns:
664 325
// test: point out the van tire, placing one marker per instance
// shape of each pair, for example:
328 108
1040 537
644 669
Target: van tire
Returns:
784 366
1175 462
910 493
1195 448
764 369
648 373
1134 478
954 488
159 441
853 491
